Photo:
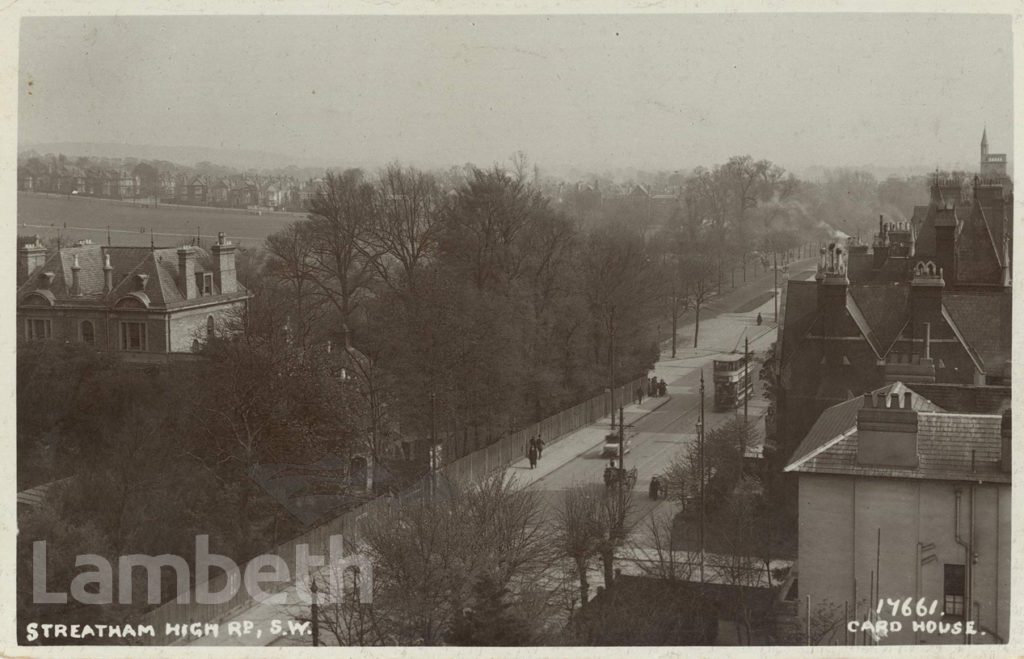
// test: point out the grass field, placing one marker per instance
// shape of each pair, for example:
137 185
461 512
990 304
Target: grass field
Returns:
77 218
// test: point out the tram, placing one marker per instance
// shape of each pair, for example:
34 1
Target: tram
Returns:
732 383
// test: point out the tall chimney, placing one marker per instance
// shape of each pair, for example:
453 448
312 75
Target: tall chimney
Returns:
30 259
187 272
108 274
76 280
224 265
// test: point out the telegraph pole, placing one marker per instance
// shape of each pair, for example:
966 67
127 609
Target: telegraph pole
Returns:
622 446
433 446
746 375
700 439
775 291
314 614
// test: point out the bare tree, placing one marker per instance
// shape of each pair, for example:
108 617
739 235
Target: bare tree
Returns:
698 269
579 524
616 504
409 209
427 556
343 261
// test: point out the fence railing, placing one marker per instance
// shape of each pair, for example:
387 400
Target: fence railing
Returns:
467 469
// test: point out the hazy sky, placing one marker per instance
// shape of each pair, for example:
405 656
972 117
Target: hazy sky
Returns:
665 91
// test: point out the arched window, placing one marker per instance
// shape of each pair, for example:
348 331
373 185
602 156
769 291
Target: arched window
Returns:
209 327
88 332
195 345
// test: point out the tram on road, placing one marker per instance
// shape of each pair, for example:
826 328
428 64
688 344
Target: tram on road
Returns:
732 384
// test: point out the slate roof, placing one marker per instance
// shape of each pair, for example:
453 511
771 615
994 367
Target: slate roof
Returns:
985 319
977 257
160 265
949 445
883 308
842 418
881 311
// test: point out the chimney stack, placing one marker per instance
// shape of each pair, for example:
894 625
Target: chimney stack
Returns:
187 272
30 259
76 280
224 265
108 274
887 436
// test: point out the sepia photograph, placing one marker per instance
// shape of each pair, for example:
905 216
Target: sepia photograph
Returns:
463 329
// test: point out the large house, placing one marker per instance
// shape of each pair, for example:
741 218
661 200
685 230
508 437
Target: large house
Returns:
930 300
900 498
134 300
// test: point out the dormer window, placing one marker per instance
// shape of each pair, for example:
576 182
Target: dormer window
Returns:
204 283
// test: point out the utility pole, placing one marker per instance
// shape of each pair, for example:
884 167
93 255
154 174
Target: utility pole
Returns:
314 613
611 365
433 446
746 377
622 447
775 291
700 439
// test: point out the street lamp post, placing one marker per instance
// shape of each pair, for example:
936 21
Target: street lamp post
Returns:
775 290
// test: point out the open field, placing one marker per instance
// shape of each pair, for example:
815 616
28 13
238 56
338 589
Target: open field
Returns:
130 224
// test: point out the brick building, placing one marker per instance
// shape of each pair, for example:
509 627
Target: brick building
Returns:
840 339
900 498
134 300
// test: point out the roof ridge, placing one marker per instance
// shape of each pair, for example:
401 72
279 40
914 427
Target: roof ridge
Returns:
821 449
978 363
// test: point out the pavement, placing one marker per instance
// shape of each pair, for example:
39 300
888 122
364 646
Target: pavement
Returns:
659 428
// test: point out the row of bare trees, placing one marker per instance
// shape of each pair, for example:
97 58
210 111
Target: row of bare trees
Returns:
473 308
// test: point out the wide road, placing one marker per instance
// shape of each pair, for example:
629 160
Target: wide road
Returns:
661 434
659 428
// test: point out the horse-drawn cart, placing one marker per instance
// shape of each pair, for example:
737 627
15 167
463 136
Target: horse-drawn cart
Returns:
613 476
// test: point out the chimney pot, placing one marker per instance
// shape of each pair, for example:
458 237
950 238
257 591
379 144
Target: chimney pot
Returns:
907 399
894 401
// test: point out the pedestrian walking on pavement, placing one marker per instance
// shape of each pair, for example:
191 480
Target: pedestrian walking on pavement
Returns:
540 447
639 395
532 455
662 388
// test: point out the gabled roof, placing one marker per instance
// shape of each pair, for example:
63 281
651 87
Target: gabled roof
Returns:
985 320
839 420
949 446
884 309
977 255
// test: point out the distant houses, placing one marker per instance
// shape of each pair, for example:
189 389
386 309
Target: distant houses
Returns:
59 176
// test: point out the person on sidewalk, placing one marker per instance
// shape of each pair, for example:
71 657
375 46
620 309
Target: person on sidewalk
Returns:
532 455
662 388
639 395
540 447
759 320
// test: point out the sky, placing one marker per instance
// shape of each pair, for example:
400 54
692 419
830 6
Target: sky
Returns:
593 92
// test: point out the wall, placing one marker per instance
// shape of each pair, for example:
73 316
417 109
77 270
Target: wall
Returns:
467 469
840 518
189 325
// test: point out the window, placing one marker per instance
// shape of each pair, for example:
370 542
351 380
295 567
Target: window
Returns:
954 578
37 329
204 283
133 336
209 327
88 332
